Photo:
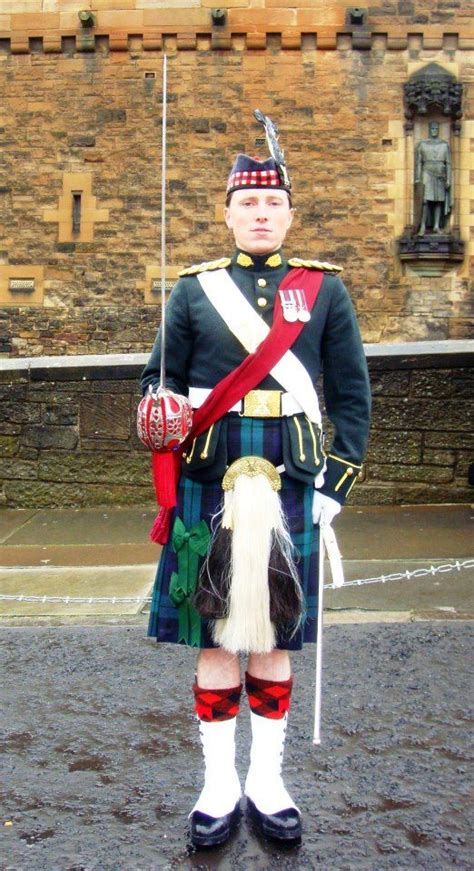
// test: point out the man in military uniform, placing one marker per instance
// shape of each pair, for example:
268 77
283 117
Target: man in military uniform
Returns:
219 315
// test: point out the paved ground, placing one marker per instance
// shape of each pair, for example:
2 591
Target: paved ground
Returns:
99 752
101 762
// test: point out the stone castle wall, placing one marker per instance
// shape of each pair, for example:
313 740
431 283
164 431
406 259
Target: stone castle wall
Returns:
80 128
68 429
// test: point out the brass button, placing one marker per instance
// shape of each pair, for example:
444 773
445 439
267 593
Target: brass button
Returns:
261 301
261 282
350 471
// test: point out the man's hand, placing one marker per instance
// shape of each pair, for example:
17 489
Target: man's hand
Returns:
324 508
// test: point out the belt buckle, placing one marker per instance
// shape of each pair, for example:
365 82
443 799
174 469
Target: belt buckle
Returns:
262 403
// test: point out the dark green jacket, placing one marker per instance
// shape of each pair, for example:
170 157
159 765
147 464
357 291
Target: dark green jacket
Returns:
200 351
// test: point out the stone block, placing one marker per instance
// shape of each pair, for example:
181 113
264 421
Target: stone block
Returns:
101 5
26 6
372 494
397 43
291 40
95 468
428 494
9 445
187 41
432 43
449 440
19 412
225 4
325 41
394 383
112 445
428 414
394 447
46 494
59 414
104 416
400 472
330 15
464 460
120 19
78 141
262 20
35 21
10 428
181 19
439 383
14 468
13 392
436 457
52 42
62 437
256 40
27 453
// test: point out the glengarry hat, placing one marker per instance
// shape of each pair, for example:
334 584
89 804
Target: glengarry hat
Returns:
249 172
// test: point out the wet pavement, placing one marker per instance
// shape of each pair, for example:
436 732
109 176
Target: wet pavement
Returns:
99 751
101 760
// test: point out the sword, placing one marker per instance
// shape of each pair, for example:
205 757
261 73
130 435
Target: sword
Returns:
163 226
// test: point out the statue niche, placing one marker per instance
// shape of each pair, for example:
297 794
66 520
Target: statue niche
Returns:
433 109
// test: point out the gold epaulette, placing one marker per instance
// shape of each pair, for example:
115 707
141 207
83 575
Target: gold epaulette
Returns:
314 264
206 267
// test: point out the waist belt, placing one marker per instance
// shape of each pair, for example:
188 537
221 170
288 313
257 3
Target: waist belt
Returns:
256 403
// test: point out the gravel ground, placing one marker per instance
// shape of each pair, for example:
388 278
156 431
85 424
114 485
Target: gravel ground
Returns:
102 759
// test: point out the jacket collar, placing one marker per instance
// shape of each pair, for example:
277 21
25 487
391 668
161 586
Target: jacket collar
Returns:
258 262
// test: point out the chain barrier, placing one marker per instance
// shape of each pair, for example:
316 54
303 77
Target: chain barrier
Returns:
142 600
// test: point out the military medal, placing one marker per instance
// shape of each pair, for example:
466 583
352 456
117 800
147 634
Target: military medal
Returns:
303 314
293 303
289 305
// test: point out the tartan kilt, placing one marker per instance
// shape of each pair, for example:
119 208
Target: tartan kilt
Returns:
200 501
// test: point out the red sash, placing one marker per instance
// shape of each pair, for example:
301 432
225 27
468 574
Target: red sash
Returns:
256 366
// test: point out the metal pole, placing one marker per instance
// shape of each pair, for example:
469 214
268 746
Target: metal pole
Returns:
163 223
319 643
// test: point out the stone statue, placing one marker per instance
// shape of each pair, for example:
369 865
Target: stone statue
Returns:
433 181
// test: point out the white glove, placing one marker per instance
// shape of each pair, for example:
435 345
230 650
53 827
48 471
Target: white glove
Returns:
324 508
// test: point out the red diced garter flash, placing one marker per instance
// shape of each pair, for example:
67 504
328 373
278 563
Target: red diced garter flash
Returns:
268 698
217 705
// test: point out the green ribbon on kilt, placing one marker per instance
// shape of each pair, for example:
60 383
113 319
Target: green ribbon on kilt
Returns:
188 546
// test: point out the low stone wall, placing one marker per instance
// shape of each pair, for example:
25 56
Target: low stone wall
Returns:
67 428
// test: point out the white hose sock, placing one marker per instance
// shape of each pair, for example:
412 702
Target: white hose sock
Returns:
264 783
222 789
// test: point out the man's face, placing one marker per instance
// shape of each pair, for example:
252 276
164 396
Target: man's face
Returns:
259 219
434 129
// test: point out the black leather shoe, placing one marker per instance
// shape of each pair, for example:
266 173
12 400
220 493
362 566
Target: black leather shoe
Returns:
284 825
209 831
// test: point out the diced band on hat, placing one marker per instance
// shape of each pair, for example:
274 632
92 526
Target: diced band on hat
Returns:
247 172
257 178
